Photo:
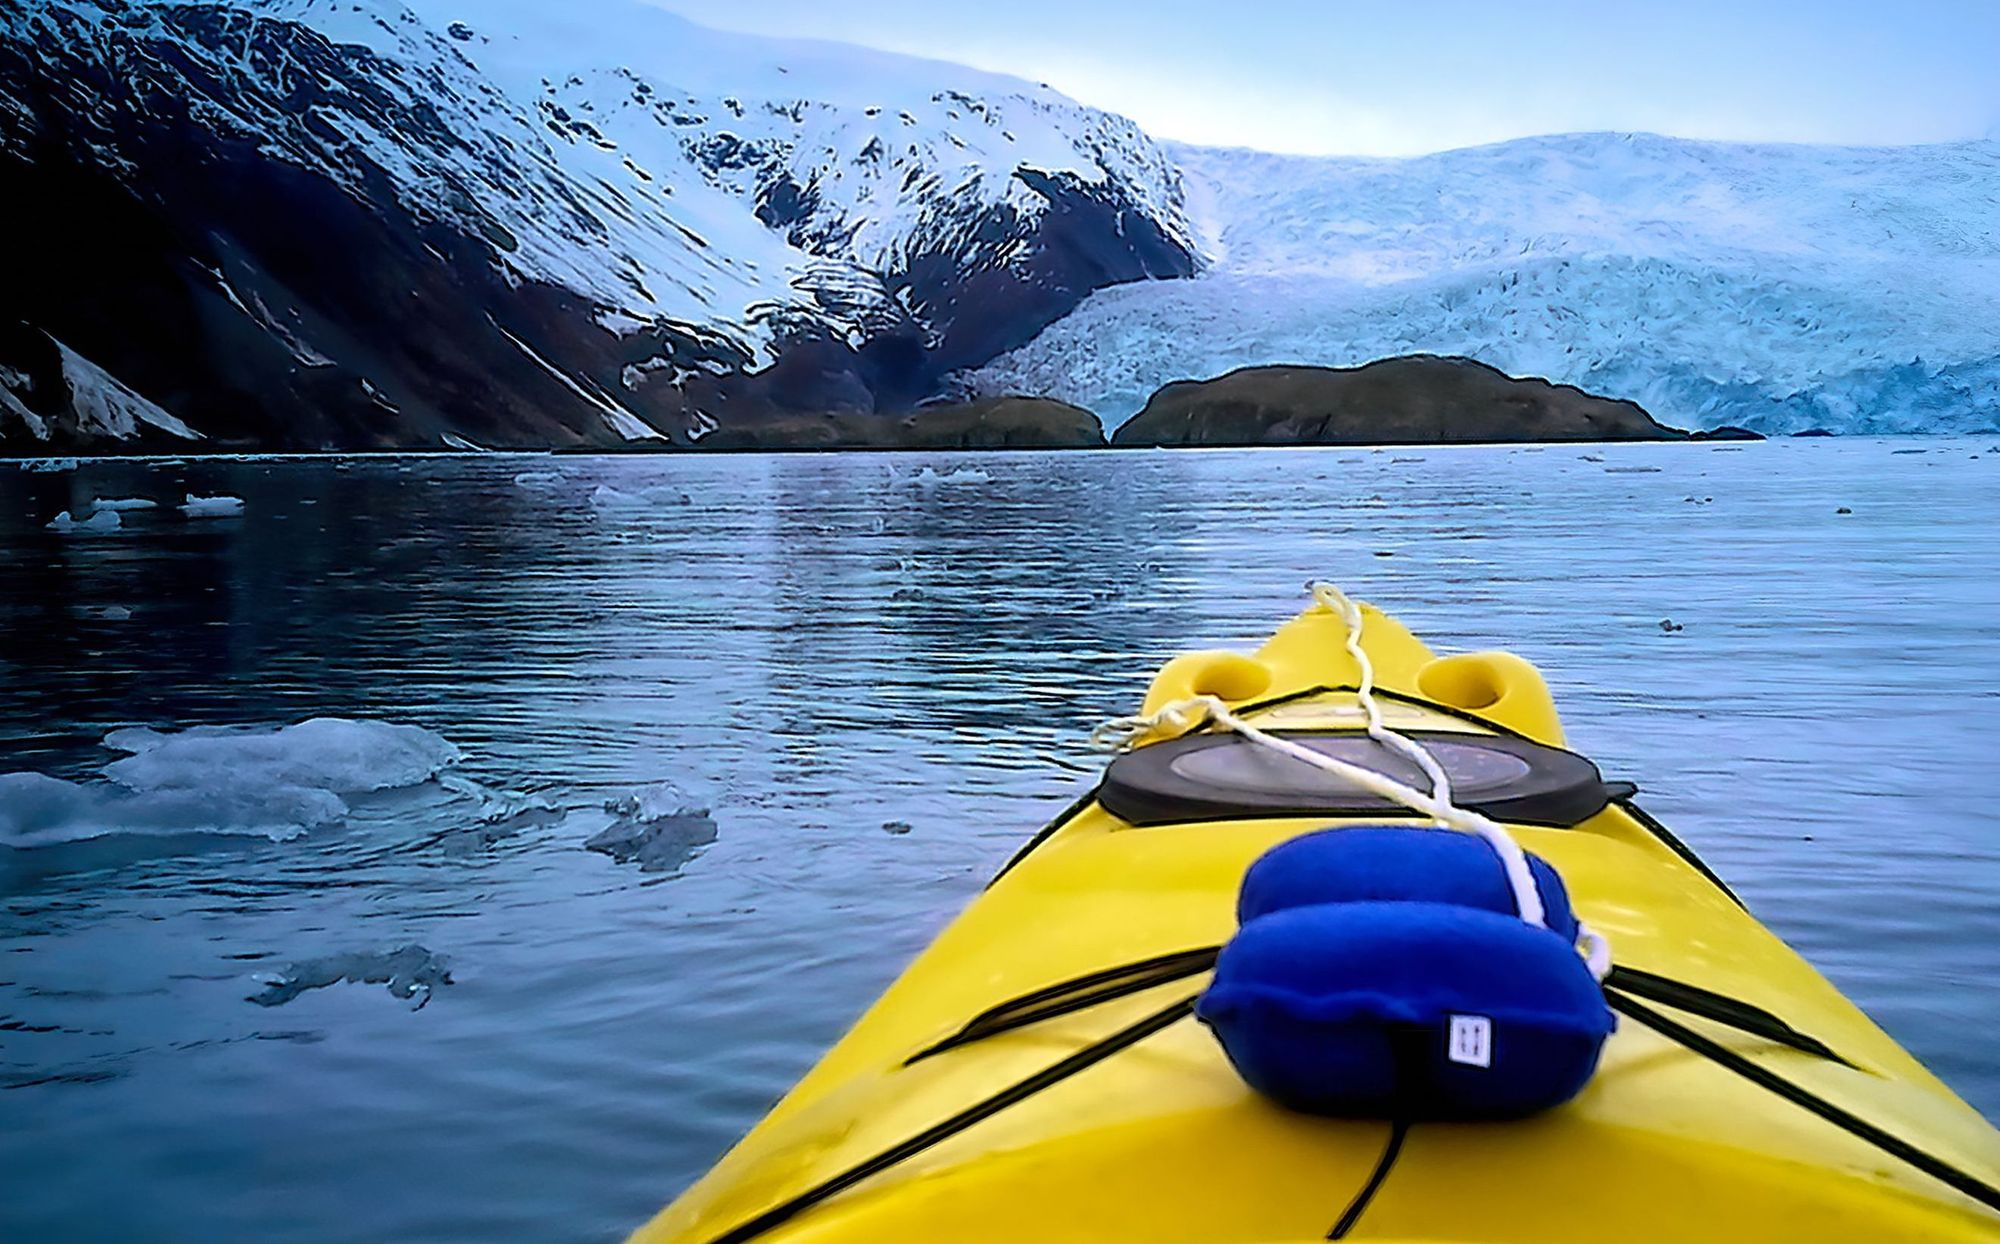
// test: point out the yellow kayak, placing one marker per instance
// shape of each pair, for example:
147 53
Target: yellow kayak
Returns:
1039 1073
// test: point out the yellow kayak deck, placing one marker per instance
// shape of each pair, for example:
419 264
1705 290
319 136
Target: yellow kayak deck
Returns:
1162 1141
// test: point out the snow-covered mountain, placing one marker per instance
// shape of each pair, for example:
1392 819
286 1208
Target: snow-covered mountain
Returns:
350 223
328 222
1774 287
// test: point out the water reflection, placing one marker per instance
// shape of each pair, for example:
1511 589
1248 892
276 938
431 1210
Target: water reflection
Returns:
862 686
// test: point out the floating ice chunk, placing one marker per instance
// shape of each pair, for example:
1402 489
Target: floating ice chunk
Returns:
502 814
537 481
649 803
49 464
928 479
123 503
331 753
219 780
495 805
653 828
39 811
411 972
103 520
211 507
605 497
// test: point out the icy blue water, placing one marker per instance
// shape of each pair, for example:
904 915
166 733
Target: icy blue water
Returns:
486 1006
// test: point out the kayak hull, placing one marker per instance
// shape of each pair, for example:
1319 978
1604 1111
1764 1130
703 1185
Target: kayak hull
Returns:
1162 1141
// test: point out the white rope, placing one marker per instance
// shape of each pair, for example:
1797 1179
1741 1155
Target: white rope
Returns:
1337 601
1188 714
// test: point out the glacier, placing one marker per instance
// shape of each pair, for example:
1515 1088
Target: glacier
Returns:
1774 287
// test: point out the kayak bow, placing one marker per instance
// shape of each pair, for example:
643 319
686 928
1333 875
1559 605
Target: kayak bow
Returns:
1034 1076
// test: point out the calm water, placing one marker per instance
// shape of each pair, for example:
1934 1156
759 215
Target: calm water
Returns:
876 683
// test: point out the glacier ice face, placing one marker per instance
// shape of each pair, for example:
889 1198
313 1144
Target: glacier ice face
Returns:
1774 287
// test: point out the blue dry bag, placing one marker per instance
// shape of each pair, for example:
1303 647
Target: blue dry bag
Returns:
1384 972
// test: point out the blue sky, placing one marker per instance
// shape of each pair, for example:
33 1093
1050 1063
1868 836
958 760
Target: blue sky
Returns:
1425 75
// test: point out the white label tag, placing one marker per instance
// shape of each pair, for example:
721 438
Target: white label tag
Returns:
1471 1040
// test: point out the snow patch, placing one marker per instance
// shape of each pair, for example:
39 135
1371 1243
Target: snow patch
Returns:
616 417
105 407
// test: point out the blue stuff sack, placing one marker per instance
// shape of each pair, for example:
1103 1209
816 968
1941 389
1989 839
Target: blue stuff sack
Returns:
1384 972
1395 863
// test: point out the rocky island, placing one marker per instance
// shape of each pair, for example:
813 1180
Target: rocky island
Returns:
1418 399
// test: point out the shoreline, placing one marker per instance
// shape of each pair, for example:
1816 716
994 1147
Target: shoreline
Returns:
314 455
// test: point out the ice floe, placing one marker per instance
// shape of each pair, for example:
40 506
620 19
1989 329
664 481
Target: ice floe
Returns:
334 753
211 507
44 465
411 972
37 810
606 498
222 780
102 520
928 479
123 503
654 828
502 814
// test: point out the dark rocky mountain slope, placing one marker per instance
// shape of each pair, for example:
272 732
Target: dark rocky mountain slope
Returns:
305 224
